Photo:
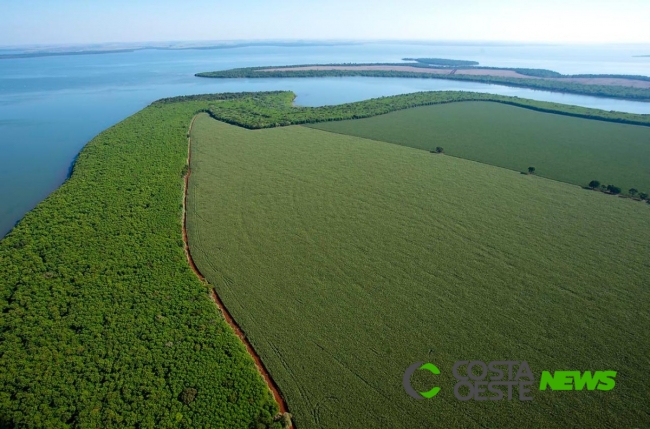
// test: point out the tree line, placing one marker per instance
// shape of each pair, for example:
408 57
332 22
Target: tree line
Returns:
615 190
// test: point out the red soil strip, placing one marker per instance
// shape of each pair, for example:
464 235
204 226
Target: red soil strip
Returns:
383 68
477 72
488 72
226 314
447 71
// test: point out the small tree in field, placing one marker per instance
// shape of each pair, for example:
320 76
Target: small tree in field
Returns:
633 191
439 149
531 170
594 184
643 196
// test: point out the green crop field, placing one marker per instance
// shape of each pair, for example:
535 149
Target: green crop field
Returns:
572 150
346 260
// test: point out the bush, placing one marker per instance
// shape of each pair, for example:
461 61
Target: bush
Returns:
594 184
531 170
265 420
187 396
284 419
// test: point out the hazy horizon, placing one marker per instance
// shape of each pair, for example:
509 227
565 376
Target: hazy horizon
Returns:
196 43
72 22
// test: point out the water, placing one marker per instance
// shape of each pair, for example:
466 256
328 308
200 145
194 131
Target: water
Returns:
51 106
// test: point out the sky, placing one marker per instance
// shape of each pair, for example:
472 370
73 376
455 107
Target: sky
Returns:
98 21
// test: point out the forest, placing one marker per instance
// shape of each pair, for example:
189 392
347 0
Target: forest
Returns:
103 322
622 92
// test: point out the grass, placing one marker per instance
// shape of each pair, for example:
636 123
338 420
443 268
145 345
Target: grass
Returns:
572 150
346 260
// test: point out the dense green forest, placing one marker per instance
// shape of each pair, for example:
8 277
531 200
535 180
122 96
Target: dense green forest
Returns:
623 92
103 323
272 109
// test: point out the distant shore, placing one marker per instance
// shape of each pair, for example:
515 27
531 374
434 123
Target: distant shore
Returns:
632 81
626 87
58 54
55 52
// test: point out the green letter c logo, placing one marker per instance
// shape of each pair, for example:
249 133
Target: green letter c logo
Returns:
434 370
406 380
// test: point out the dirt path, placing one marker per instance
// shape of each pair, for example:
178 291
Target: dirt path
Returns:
215 298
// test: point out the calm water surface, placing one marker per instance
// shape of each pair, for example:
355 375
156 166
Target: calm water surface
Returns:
51 106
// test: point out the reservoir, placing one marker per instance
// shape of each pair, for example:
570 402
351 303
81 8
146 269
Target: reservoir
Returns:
50 107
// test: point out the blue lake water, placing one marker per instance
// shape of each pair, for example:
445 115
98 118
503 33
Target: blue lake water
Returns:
51 106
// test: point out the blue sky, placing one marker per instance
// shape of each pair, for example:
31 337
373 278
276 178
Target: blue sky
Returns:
83 21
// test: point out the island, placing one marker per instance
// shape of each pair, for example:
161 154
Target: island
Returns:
628 87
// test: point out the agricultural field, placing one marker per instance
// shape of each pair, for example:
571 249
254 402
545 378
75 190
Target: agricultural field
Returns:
345 260
572 150
102 322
